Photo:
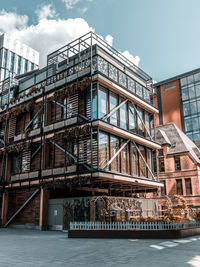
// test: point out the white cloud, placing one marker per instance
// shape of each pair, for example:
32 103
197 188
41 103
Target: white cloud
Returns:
109 39
45 11
49 33
83 10
70 3
134 59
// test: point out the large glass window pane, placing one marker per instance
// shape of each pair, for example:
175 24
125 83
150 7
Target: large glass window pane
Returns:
131 84
195 123
123 123
125 167
113 73
103 66
197 77
5 58
184 93
103 105
139 89
183 81
113 104
196 135
149 162
103 149
12 62
139 121
132 119
197 89
147 124
146 94
193 107
135 161
88 103
141 161
25 65
19 65
191 91
122 79
190 79
188 124
198 105
186 108
114 147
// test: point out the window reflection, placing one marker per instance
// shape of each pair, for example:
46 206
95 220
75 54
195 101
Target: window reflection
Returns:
114 147
102 103
113 104
123 116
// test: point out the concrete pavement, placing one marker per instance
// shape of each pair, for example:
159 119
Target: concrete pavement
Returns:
36 248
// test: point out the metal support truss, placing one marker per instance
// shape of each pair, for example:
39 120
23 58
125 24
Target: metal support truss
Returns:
143 159
32 119
106 116
116 154
70 155
37 150
141 120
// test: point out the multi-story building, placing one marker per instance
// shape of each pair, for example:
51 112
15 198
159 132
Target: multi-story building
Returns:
16 58
179 165
81 126
178 101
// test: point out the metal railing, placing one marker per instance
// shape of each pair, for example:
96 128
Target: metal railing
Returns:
133 226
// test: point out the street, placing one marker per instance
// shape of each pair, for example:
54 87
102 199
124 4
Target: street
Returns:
47 248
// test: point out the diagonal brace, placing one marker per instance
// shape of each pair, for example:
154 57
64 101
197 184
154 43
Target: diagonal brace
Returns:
116 154
106 116
32 119
70 155
143 159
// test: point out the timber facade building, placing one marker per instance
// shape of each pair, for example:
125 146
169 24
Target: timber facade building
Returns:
81 126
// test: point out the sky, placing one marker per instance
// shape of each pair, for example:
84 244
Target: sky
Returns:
162 37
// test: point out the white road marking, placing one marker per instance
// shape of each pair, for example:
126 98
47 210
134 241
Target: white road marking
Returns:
195 262
183 241
169 244
193 239
157 247
133 240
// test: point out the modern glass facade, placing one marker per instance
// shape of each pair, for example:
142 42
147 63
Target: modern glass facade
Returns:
190 99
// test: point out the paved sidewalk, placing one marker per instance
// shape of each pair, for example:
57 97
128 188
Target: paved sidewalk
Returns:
26 248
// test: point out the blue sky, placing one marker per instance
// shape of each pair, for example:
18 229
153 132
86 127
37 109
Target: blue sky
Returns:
164 34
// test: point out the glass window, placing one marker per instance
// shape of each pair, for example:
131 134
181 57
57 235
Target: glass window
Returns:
188 186
94 103
183 81
32 66
184 93
125 168
197 89
195 123
135 161
5 58
149 162
190 79
103 149
16 163
113 104
139 90
123 123
132 117
193 107
179 187
103 66
198 105
122 78
186 108
113 73
142 165
131 84
196 135
103 105
188 124
19 65
25 66
161 165
197 77
114 147
147 124
177 163
12 62
139 121
146 94
191 90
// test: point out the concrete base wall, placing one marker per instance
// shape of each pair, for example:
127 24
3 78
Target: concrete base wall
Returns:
133 234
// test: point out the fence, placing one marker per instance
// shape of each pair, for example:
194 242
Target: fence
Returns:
133 226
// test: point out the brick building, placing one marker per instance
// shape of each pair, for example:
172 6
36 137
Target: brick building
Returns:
77 128
179 165
178 101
